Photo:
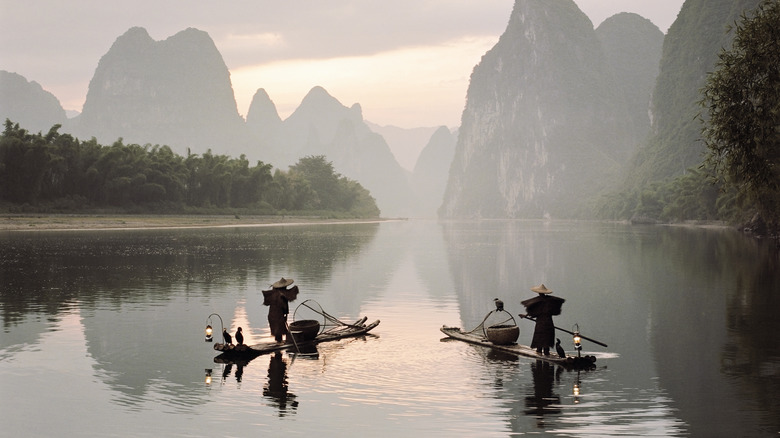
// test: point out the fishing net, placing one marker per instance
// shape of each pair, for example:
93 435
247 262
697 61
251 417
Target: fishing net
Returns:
493 318
311 310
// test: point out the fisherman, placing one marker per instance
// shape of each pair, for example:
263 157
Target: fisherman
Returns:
277 300
543 307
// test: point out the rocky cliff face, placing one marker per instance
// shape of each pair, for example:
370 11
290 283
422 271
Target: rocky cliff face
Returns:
690 52
544 128
175 92
28 104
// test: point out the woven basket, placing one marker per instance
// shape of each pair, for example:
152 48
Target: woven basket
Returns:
503 334
305 329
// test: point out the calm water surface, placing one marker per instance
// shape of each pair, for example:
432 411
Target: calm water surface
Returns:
102 331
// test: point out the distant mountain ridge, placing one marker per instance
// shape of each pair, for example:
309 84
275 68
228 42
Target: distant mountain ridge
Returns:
632 46
432 169
178 92
557 113
321 125
406 144
175 92
28 104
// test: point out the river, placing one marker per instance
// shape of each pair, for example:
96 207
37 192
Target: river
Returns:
103 331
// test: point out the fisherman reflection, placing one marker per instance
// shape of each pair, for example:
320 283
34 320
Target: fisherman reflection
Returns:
276 388
543 401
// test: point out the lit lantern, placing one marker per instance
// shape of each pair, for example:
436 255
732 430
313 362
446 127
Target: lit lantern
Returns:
208 376
209 330
577 339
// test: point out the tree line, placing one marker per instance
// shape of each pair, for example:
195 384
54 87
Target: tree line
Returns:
57 172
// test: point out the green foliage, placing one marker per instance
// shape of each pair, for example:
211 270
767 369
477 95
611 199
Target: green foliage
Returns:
58 172
313 184
690 197
742 97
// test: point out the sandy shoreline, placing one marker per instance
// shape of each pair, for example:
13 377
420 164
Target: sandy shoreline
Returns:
62 222
109 222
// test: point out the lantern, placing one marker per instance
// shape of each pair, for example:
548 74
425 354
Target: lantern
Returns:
209 330
577 339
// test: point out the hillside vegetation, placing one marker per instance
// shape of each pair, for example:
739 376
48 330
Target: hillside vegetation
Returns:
58 173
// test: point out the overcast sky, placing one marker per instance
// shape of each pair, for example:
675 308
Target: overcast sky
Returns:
407 62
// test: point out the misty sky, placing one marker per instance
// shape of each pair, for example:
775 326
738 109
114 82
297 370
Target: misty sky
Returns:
407 62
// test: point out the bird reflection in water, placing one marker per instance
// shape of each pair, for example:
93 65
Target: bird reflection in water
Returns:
229 369
543 401
276 388
226 372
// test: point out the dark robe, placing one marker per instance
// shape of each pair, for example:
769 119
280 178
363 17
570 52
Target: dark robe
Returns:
543 308
277 300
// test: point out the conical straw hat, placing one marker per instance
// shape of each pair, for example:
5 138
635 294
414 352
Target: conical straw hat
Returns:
541 289
284 282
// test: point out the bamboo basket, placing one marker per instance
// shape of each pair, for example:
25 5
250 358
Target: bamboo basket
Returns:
503 334
305 329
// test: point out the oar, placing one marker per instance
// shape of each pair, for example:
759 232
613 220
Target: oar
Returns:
290 333
564 330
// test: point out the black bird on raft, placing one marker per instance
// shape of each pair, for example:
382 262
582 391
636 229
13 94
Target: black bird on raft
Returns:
559 349
239 336
499 304
226 336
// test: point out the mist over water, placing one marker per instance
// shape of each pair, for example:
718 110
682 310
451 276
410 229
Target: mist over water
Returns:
103 331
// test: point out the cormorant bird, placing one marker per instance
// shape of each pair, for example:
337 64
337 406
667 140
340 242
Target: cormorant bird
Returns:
239 337
499 304
559 349
226 336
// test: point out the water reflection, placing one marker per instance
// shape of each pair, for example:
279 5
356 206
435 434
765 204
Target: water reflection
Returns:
276 390
542 401
686 313
42 271
704 285
686 304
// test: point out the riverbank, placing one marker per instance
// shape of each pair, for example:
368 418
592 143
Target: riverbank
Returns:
106 222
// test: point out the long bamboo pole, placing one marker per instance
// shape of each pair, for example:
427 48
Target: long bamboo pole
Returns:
522 315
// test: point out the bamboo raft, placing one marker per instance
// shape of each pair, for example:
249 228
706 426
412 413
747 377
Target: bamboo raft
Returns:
343 330
571 362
